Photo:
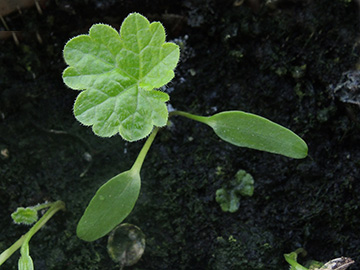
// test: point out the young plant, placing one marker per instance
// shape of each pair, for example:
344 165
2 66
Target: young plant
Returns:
118 75
229 197
341 263
28 216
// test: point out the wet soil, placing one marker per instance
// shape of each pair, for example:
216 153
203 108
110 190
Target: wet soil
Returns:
281 60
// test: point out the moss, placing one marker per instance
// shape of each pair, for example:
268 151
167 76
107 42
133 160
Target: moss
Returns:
248 250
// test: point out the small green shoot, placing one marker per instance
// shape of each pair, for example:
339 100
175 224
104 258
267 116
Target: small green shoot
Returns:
341 263
291 258
114 200
24 215
118 75
25 261
229 198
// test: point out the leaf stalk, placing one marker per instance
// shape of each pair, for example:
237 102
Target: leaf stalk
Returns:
141 157
202 119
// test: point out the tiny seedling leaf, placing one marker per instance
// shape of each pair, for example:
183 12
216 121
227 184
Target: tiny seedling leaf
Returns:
26 215
244 183
253 131
229 198
111 204
291 258
25 263
118 75
228 201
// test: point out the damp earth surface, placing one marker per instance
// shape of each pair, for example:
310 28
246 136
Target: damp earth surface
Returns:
290 61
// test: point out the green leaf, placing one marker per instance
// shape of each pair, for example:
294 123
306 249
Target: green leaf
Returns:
244 183
26 215
229 198
228 201
111 204
252 131
25 263
118 74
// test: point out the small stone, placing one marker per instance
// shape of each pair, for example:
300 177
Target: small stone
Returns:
126 244
348 88
4 153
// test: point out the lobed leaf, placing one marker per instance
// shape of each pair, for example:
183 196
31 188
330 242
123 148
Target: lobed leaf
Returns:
26 215
118 75
244 183
229 198
111 204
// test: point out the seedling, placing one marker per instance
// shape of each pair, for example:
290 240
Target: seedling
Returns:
28 216
341 263
229 197
118 75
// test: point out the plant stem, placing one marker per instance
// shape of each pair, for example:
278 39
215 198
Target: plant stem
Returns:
140 158
42 206
8 252
54 207
202 119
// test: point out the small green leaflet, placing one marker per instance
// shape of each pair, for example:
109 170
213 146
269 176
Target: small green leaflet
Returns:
118 75
25 263
111 204
26 215
253 131
114 200
250 130
229 197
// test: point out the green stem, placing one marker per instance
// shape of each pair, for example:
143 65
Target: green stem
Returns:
301 251
42 206
8 252
54 207
141 157
202 119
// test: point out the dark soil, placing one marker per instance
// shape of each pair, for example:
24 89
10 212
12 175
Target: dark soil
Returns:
282 61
